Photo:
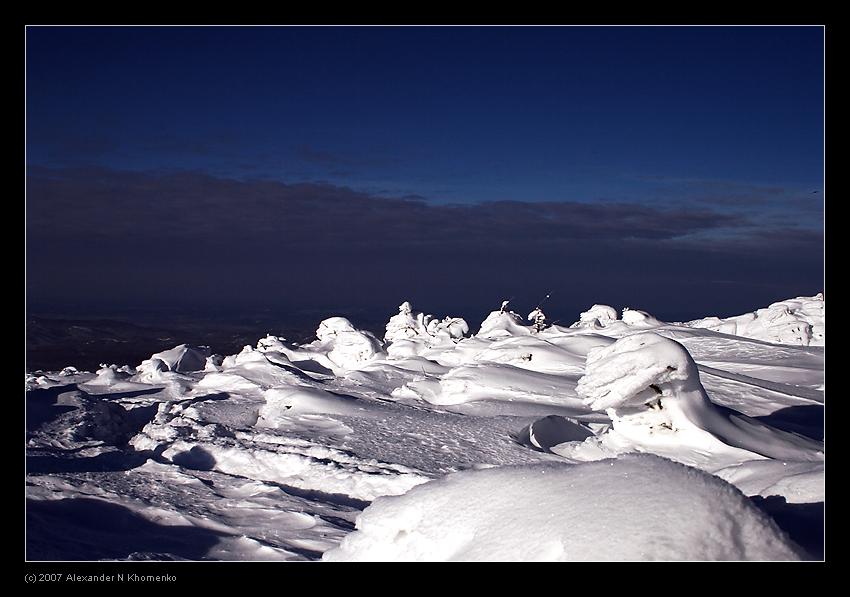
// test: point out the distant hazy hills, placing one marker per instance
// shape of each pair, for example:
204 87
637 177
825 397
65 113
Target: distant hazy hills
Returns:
52 344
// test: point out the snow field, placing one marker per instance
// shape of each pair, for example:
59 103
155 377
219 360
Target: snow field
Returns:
467 445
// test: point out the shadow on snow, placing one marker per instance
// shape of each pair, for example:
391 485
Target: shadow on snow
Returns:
90 529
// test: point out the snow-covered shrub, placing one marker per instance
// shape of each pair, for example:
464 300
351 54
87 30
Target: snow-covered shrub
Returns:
410 325
346 346
650 387
538 319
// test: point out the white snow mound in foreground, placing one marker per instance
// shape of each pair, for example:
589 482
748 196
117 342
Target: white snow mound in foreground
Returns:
636 507
798 321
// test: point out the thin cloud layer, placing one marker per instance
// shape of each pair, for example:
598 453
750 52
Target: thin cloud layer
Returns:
146 236
114 203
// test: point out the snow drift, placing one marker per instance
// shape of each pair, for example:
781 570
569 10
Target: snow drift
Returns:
499 324
637 507
798 321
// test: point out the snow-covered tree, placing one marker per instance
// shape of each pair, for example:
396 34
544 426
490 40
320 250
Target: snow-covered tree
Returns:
539 318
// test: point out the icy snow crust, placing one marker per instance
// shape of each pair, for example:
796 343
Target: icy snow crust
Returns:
278 451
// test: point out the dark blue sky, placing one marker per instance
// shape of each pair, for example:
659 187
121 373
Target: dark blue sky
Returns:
676 169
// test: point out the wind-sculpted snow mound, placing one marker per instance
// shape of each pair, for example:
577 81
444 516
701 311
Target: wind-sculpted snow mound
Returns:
175 368
625 373
636 317
650 387
503 323
349 347
637 507
533 353
604 317
799 321
182 359
492 382
596 318
109 375
407 325
412 334
289 400
339 346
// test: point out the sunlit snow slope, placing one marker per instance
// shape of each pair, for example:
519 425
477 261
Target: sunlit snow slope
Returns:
794 321
517 442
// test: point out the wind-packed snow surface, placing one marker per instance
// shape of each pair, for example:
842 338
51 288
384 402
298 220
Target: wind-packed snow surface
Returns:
612 439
